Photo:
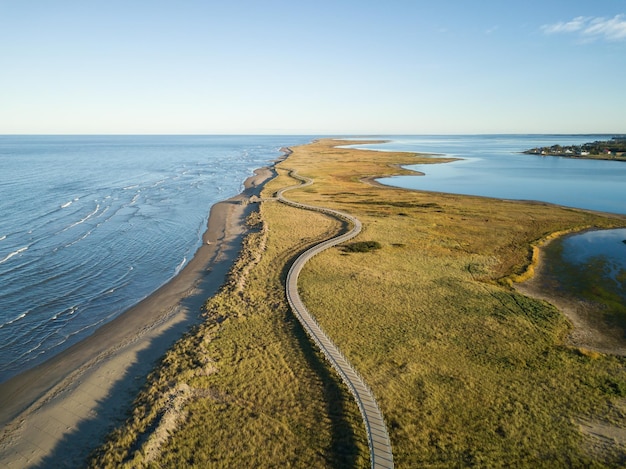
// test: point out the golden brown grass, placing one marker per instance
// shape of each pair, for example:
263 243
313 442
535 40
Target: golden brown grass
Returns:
257 393
467 371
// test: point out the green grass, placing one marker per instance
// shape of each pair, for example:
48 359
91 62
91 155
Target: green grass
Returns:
463 372
362 246
258 395
468 372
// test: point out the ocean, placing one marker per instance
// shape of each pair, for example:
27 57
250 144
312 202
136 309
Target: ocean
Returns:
90 225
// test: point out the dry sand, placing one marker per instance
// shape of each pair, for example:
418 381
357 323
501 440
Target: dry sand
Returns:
56 413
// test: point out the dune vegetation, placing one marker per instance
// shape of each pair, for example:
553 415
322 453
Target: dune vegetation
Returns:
467 371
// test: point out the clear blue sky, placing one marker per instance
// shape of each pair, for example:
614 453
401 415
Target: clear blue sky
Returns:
312 67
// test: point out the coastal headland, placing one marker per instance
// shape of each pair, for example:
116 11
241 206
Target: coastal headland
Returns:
613 149
466 369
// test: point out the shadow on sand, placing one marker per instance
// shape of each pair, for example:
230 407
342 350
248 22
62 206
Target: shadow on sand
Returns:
75 447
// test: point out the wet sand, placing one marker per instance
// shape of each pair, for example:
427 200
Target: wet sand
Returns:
56 413
588 331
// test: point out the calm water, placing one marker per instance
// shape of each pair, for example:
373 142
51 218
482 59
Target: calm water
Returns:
609 246
91 225
592 266
493 166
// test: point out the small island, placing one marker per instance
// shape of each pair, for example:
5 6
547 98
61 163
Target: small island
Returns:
613 149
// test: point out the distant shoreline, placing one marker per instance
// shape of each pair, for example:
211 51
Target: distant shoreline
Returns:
612 150
579 157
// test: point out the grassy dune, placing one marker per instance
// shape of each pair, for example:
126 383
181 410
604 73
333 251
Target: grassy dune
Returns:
247 388
467 371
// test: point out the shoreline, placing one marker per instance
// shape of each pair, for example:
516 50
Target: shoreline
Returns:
587 332
68 404
232 383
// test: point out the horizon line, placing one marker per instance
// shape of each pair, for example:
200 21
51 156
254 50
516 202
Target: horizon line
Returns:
306 134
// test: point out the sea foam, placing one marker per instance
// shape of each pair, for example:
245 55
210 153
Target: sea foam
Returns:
180 266
14 253
128 227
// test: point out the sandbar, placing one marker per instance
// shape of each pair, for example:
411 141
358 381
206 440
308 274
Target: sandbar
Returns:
55 414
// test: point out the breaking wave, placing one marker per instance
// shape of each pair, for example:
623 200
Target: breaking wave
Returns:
91 244
13 254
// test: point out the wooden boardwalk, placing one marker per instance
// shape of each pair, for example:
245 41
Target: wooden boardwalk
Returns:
378 438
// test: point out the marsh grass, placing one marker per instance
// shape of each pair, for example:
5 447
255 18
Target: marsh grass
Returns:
362 246
259 394
468 372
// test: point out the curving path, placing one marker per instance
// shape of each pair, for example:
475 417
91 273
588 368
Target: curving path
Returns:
378 438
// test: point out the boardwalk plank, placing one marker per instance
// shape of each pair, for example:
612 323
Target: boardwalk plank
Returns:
378 438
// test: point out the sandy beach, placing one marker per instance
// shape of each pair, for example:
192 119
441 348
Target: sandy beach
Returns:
55 414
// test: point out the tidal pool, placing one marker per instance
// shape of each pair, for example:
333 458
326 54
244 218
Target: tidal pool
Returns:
591 266
606 246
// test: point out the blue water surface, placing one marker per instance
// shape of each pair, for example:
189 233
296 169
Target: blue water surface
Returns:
493 166
90 225
606 245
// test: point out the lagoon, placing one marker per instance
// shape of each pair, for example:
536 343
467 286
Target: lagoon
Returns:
602 252
493 166
599 244
592 264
